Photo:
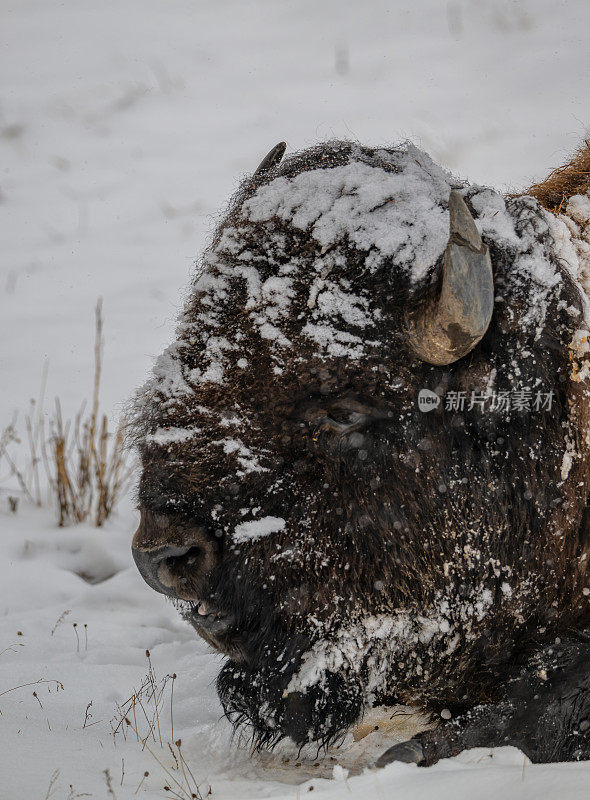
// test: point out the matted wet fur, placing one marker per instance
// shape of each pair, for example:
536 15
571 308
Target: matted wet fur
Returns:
422 556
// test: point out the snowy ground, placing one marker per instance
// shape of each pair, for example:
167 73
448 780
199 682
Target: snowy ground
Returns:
123 129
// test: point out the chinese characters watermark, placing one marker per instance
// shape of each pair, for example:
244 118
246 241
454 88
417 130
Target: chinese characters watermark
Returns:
503 402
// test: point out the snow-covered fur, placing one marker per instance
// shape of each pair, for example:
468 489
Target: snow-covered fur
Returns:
370 551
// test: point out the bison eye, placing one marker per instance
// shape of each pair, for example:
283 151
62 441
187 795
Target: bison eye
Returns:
329 418
341 416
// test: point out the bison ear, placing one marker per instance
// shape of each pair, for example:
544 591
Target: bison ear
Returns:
273 158
446 327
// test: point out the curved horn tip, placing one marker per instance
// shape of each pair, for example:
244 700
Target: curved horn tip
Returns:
445 329
461 223
272 158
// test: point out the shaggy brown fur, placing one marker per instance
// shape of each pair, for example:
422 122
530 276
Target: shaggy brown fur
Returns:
564 182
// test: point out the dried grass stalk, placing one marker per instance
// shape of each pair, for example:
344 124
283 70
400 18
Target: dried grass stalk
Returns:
8 436
84 463
90 472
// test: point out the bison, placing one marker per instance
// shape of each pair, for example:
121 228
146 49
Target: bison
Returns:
365 457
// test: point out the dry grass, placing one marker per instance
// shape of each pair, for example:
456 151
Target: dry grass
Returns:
564 182
84 464
146 714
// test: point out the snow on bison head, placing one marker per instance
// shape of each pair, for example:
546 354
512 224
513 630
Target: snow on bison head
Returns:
365 456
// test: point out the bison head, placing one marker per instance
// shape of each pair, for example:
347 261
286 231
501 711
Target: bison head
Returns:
338 542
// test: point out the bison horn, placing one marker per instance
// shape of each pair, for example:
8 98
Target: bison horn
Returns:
445 328
273 158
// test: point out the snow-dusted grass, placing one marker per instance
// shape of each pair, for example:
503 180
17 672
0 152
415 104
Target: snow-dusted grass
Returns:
123 129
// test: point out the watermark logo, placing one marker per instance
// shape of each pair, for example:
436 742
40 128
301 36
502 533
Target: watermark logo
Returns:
525 399
427 400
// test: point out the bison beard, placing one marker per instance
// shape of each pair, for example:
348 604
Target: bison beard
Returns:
342 547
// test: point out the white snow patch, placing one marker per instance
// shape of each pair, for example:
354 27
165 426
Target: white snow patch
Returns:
396 214
568 457
257 529
168 376
334 342
571 232
246 458
334 302
164 436
377 642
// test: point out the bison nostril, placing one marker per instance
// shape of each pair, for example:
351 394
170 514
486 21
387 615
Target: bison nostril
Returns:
193 556
173 557
150 563
168 555
177 571
184 558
